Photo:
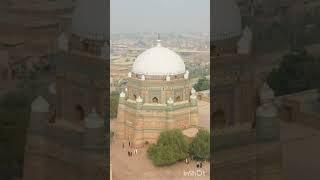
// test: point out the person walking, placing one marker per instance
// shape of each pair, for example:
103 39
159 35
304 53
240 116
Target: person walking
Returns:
197 164
128 153
129 144
122 145
201 164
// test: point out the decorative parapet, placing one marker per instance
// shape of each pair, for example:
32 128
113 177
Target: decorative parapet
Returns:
122 95
168 78
143 78
186 75
170 101
139 100
152 106
193 91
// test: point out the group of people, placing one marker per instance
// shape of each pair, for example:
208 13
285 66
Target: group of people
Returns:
199 164
130 152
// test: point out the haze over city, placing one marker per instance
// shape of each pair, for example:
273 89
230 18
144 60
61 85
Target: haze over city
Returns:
164 16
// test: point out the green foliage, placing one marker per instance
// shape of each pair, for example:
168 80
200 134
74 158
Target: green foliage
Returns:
170 148
298 71
200 145
14 119
15 100
198 71
114 102
202 84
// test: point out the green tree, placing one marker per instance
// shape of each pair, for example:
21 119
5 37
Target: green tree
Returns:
170 148
14 111
114 102
202 84
200 145
297 72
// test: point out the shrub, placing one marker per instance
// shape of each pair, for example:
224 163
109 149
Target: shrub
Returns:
200 145
170 148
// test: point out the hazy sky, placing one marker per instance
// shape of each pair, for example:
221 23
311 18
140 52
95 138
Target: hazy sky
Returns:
160 16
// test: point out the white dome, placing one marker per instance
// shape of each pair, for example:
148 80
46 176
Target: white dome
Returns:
159 61
90 19
226 20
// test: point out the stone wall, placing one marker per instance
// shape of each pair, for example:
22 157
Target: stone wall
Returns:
144 124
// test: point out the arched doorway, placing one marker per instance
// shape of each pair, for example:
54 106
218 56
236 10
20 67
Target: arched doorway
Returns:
155 100
219 120
79 113
178 98
134 97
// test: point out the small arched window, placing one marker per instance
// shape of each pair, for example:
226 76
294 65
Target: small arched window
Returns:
80 114
155 100
219 119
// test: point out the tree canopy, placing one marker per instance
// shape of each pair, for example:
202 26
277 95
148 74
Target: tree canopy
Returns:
170 148
114 102
202 84
297 72
200 145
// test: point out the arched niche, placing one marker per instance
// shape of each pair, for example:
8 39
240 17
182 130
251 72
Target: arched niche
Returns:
219 119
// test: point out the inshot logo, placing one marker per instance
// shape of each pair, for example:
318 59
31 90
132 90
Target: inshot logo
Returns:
198 172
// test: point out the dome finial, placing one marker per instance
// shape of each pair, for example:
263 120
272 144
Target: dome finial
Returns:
158 40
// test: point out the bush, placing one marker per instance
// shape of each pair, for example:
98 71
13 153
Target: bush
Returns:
170 148
297 72
114 102
200 145
14 120
202 84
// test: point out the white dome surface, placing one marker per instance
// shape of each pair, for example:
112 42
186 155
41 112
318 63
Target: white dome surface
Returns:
226 20
159 61
90 19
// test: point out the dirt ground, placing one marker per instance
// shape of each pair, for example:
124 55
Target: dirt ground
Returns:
140 167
